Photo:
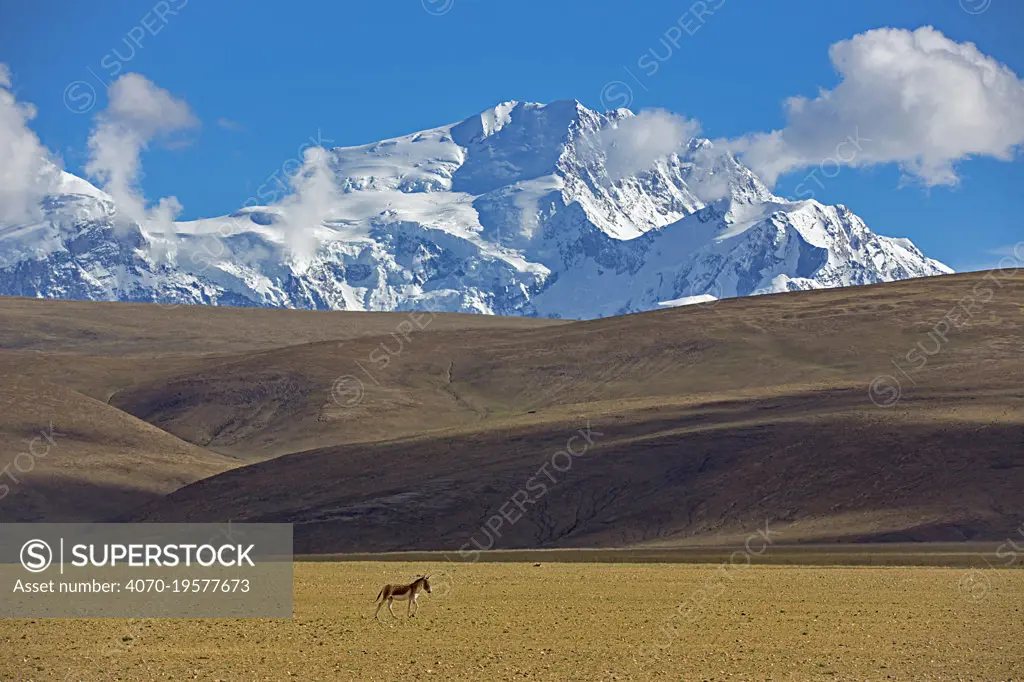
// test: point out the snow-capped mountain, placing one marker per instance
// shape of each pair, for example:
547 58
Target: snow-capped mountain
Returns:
511 212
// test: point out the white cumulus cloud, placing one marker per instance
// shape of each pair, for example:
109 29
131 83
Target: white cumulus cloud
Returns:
138 113
314 194
27 169
636 143
914 98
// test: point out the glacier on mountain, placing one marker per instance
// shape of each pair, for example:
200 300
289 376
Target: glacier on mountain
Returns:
509 212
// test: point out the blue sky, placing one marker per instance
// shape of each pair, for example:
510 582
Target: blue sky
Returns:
264 77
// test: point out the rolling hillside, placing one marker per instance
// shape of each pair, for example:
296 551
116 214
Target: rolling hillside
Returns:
704 420
65 363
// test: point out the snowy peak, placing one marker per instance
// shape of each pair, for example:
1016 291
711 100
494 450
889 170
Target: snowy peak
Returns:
513 142
525 123
72 184
716 174
522 209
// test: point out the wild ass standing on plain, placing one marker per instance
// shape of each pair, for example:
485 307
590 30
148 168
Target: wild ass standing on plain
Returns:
409 592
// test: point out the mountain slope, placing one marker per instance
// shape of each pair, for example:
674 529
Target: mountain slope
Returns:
69 457
711 418
511 212
68 453
704 421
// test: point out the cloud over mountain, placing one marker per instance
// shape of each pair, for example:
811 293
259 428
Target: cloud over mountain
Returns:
27 169
635 143
915 98
138 113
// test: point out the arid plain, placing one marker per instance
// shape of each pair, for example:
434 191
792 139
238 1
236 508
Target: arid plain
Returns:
558 621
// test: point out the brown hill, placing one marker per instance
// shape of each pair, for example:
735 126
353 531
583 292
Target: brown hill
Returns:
68 453
711 420
69 457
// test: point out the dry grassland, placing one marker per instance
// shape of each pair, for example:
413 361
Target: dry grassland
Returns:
570 621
